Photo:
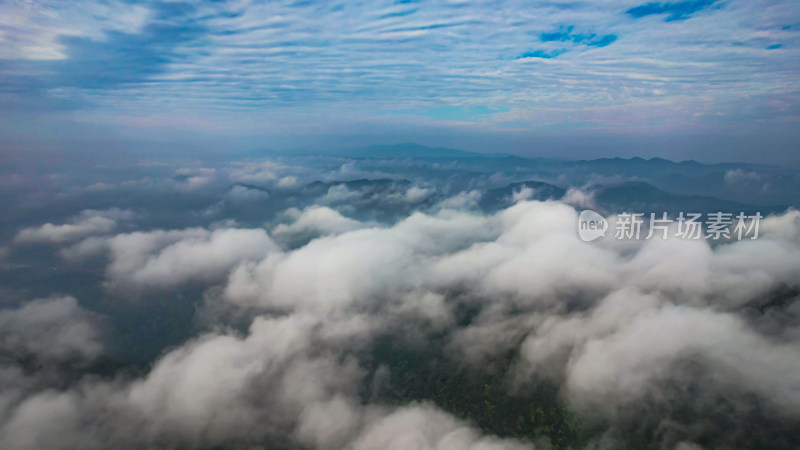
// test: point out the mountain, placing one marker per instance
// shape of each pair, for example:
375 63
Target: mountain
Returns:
631 197
635 197
404 150
373 187
408 150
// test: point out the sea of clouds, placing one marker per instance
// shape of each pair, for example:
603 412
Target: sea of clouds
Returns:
678 336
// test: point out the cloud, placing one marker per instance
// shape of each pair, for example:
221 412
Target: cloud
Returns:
50 329
119 56
339 193
352 81
415 194
351 170
202 394
629 334
579 198
522 195
520 269
181 399
40 26
462 200
425 427
287 182
244 194
196 182
327 273
623 367
737 176
87 223
164 259
314 221
255 172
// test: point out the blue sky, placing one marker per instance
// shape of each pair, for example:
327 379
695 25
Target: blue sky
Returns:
708 79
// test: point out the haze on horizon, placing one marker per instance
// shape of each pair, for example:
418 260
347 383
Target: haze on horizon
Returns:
711 80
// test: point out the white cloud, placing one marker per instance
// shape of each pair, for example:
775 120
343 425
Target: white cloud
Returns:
371 67
314 221
465 199
339 194
579 198
620 368
203 394
88 222
415 194
426 427
739 176
287 182
522 195
167 258
196 182
255 172
613 326
241 194
52 329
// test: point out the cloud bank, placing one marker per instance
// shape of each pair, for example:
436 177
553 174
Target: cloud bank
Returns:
668 342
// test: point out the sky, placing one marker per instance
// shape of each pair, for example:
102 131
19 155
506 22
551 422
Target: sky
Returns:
712 80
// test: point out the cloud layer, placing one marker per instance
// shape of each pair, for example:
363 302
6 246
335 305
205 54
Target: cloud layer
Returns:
300 72
677 336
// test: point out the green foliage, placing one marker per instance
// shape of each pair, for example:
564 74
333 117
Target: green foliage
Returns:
483 397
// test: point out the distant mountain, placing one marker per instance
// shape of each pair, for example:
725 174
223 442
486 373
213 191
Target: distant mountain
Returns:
317 188
655 167
635 197
408 150
635 164
631 197
376 186
404 150
731 184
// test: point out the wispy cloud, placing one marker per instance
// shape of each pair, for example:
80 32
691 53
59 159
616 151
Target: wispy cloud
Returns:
287 63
